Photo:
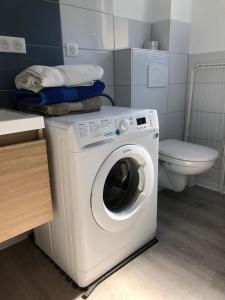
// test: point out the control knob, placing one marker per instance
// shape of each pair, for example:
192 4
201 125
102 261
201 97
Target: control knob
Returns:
124 125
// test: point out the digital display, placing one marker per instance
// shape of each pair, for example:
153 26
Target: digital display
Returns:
141 121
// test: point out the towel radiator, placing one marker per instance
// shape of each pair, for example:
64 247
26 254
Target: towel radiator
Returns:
207 97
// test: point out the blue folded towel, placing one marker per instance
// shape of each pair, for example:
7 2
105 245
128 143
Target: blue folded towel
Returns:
48 96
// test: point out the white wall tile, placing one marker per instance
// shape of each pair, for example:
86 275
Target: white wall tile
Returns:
210 75
209 98
175 125
161 33
110 91
208 126
99 5
150 98
210 177
122 67
179 36
131 33
101 58
213 57
162 127
135 9
176 97
178 68
121 32
123 96
90 29
141 60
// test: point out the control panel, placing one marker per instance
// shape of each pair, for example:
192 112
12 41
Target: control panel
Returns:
93 130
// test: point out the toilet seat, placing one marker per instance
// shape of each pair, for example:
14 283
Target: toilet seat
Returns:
180 162
184 153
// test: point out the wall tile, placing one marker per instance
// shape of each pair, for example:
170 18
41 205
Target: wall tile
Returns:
213 144
142 58
131 33
98 5
210 179
90 29
216 75
12 64
7 99
122 71
209 98
110 91
214 57
121 32
175 125
176 97
161 33
150 98
123 96
178 68
37 21
101 58
208 126
179 36
162 127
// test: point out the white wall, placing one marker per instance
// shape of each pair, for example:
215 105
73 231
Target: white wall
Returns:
208 26
134 9
154 10
161 10
181 10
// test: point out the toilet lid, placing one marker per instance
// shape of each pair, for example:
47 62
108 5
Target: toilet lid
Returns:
187 151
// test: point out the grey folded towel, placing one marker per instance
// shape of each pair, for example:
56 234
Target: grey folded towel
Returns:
88 105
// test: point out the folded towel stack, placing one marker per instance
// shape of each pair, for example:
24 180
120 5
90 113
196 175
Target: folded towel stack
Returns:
60 90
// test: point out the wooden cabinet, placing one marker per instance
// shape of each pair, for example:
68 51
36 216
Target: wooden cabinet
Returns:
25 198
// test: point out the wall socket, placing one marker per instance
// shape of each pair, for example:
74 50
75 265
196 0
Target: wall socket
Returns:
71 49
11 44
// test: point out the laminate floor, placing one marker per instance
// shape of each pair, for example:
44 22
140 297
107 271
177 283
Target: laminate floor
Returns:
187 264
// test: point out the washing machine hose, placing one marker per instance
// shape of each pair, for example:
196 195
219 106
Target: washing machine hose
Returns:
109 98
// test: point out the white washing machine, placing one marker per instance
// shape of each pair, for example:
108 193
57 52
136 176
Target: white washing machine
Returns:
104 173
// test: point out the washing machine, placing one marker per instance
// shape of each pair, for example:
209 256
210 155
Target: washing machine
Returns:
104 169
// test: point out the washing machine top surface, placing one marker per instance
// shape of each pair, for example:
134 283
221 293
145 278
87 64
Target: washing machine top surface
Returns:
108 125
106 111
187 151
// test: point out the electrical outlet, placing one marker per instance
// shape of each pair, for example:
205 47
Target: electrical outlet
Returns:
12 44
71 49
4 44
18 45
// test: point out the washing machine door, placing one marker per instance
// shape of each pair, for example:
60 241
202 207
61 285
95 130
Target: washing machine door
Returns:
122 188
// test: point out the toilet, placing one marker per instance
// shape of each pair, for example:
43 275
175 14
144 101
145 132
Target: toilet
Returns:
179 160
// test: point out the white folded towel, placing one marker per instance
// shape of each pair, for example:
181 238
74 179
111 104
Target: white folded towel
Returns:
35 78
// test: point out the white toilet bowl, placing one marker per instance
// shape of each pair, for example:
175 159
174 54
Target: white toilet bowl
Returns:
178 160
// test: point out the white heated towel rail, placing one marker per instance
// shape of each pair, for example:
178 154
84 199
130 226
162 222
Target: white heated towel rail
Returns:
216 72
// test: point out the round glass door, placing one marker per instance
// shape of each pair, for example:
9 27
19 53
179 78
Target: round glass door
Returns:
121 187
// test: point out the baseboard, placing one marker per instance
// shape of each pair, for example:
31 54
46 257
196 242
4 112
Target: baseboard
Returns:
208 185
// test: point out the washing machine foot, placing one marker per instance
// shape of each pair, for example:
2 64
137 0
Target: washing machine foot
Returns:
88 290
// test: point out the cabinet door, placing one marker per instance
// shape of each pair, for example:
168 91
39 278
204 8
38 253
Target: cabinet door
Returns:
25 199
